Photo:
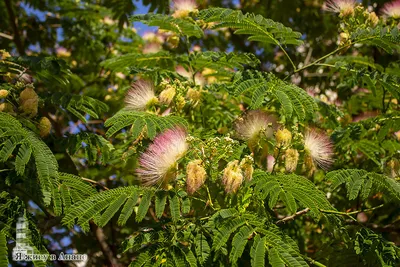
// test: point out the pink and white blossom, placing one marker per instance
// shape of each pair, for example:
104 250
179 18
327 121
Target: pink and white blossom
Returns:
158 163
140 95
254 123
182 8
320 148
392 9
186 5
345 7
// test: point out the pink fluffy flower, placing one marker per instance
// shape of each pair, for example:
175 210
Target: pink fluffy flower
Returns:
140 96
158 164
320 148
344 7
182 8
254 123
187 5
392 9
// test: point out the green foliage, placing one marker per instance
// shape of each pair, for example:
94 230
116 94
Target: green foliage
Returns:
47 69
14 135
237 190
384 37
290 189
182 27
79 105
363 183
259 28
96 148
374 250
163 60
291 100
3 250
139 121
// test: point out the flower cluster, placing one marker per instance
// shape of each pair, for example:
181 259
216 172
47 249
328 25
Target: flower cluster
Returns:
392 9
344 7
140 96
182 8
235 173
196 176
29 102
254 124
158 163
319 148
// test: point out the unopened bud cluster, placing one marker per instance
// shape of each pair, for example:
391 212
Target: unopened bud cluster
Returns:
196 176
235 173
44 126
29 102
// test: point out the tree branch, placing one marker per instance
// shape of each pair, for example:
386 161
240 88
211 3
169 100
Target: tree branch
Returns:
292 217
105 248
14 24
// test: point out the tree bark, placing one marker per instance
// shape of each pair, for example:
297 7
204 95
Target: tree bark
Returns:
14 24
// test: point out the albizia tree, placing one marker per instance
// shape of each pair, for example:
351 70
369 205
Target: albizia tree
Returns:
165 150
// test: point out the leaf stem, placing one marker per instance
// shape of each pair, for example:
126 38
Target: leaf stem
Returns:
348 214
292 217
312 261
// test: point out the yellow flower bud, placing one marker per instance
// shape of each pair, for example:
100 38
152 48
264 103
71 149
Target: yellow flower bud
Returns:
373 18
3 93
196 176
233 177
393 168
6 107
29 102
180 102
291 159
193 95
173 40
30 107
283 137
247 167
44 126
167 95
4 54
26 94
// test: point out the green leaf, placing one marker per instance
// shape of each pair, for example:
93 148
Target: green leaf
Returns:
239 242
182 27
161 200
144 205
127 210
111 210
3 250
257 252
202 248
259 28
174 207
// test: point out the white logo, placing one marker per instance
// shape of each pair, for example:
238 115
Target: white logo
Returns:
23 252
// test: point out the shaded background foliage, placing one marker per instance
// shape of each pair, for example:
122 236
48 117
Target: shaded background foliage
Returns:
79 35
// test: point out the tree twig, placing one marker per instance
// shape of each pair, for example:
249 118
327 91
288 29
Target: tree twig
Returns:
348 214
13 21
95 182
292 217
105 248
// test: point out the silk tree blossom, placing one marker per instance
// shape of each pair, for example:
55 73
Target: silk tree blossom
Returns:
344 7
158 164
254 124
182 8
233 177
319 148
392 9
198 78
140 96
